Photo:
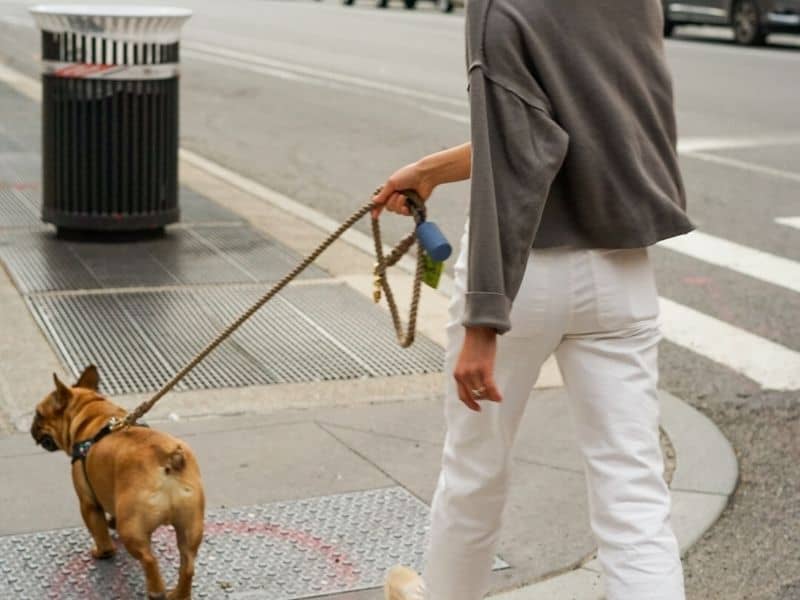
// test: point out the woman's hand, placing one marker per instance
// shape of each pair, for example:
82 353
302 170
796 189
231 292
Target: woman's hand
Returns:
423 176
410 177
474 372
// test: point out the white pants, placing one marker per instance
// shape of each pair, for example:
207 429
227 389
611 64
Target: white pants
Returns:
596 310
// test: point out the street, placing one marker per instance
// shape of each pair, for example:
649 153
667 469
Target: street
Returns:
321 102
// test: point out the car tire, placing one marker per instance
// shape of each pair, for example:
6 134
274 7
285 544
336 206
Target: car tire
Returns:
382 3
747 28
410 4
445 6
348 2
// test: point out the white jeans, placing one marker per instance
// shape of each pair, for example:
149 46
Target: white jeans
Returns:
596 310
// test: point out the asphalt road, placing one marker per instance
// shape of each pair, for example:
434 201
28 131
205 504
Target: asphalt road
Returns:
321 102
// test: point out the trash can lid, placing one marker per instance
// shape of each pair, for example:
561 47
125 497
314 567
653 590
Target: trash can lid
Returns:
130 23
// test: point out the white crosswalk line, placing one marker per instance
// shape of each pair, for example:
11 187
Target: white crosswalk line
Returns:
771 365
736 257
789 221
745 166
689 145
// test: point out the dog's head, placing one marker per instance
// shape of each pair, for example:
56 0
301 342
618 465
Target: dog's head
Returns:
50 427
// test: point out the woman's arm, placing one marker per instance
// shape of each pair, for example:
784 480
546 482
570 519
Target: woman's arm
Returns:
447 166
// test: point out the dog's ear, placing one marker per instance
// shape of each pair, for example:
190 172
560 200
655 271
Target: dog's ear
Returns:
89 379
62 394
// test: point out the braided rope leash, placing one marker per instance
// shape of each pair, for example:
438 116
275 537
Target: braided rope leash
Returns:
404 338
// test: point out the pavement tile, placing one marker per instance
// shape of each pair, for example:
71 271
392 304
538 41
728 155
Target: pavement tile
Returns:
547 507
575 585
546 434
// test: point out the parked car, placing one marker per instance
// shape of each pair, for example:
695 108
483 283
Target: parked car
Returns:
443 5
751 20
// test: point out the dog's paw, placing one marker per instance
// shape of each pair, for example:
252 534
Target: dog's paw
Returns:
98 554
161 596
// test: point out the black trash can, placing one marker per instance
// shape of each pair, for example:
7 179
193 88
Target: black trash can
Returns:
110 116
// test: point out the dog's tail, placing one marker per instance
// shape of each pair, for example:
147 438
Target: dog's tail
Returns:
175 461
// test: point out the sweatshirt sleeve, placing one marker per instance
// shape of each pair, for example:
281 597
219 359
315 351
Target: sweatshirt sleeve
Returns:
517 151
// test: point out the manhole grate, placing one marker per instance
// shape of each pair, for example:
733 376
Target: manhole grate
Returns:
40 262
278 551
313 332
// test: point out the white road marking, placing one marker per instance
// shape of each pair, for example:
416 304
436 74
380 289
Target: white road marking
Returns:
745 166
405 96
736 257
691 145
771 365
27 86
789 221
18 21
282 66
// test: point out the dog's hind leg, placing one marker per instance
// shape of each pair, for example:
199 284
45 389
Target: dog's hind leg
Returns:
137 541
189 533
95 520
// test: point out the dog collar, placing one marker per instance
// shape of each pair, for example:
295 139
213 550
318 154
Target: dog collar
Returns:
80 450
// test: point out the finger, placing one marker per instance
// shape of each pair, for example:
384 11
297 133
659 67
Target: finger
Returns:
402 206
466 397
396 203
379 199
384 193
492 392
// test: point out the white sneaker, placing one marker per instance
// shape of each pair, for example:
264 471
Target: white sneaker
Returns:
403 584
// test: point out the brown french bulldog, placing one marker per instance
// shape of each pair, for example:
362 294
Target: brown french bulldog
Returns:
141 477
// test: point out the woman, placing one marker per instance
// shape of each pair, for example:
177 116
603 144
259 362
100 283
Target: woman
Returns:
574 173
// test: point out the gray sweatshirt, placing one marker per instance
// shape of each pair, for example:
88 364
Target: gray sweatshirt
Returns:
573 137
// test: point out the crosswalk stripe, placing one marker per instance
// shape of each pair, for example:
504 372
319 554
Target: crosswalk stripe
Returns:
771 365
689 145
745 166
736 257
789 221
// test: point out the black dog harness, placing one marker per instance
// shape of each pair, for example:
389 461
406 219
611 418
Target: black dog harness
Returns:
80 451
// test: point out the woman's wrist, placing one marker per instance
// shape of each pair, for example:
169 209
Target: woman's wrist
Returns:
429 170
447 166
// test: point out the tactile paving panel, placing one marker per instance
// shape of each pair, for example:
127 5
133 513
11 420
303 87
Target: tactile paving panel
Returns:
279 551
233 253
311 332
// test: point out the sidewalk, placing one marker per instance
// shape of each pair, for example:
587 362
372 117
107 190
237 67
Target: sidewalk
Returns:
318 445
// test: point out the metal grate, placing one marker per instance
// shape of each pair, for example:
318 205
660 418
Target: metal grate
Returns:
279 551
40 262
199 209
315 332
17 209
